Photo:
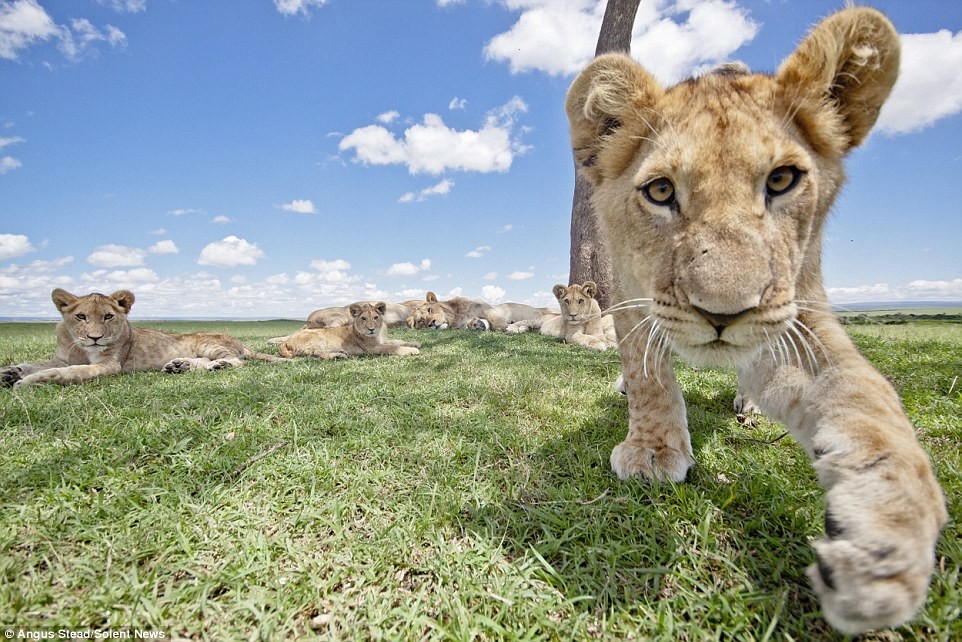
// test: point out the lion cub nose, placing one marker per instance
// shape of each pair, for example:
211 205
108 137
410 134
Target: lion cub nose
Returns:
721 321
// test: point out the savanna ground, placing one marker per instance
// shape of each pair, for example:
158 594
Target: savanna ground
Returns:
460 494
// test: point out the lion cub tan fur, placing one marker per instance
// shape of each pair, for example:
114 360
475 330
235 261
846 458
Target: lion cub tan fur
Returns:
712 196
580 321
367 334
94 339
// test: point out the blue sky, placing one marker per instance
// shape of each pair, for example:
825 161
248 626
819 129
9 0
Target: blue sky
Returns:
264 158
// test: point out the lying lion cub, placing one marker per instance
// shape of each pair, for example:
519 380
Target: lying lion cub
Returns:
580 321
366 335
95 339
712 197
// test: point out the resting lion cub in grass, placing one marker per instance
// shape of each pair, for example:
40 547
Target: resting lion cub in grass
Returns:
94 339
712 196
580 321
367 334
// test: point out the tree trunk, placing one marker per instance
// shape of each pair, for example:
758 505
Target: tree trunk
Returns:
589 259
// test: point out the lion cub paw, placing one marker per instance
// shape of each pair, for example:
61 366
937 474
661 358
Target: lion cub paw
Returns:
177 366
633 459
863 588
10 375
407 351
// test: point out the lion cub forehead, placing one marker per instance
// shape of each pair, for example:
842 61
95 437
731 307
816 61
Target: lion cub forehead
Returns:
722 120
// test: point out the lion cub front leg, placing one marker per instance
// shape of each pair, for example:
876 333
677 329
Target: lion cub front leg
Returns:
658 445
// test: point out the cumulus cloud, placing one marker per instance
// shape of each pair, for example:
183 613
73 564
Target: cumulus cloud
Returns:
302 206
441 188
492 293
8 164
328 271
124 6
295 7
490 276
183 211
24 23
221 219
408 269
521 275
387 117
925 92
432 147
478 252
229 252
116 279
112 255
163 247
673 38
458 103
14 245
918 290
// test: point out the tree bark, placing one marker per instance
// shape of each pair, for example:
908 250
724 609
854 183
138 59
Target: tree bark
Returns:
589 259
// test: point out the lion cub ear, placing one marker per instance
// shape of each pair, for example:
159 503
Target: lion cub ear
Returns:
62 299
559 291
605 104
355 310
381 307
847 66
431 297
589 288
124 298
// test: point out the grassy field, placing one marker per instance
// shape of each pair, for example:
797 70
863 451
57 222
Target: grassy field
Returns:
461 494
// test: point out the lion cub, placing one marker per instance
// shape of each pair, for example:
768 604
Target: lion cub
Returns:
94 339
367 334
712 197
580 321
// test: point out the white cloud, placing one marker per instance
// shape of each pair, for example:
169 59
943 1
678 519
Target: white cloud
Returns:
112 255
221 219
8 164
432 147
326 266
23 23
182 211
490 276
110 279
164 247
918 290
78 40
13 245
441 188
672 38
124 6
506 228
478 252
387 117
328 271
408 269
520 275
11 140
458 103
925 92
229 252
302 206
492 293
159 231
294 7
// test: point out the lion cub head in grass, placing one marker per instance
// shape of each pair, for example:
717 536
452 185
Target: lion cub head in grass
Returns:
712 197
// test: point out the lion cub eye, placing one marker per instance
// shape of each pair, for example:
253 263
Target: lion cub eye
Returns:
108 317
81 317
782 179
660 191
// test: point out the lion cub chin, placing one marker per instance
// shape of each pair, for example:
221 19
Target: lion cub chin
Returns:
367 334
711 197
94 339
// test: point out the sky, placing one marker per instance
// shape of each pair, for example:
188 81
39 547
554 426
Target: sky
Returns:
265 158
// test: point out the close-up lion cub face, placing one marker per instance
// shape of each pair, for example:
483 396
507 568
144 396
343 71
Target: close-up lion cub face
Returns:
711 194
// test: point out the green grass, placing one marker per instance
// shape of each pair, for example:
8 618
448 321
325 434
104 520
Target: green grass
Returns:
461 494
